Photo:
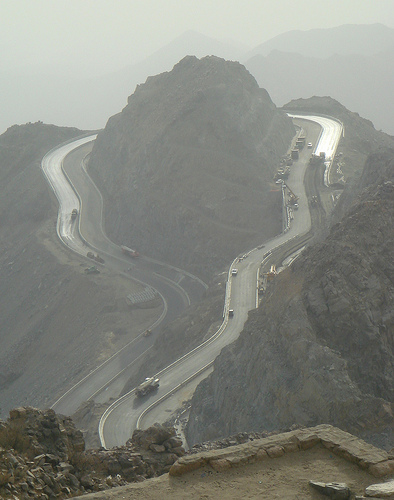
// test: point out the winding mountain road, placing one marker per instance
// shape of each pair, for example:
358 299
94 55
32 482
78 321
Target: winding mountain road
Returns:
328 141
130 412
64 168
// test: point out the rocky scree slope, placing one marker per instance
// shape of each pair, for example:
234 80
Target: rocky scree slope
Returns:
185 168
320 349
42 455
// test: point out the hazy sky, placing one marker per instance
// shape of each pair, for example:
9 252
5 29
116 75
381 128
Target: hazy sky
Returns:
97 36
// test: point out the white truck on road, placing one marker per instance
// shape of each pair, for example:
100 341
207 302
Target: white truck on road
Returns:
147 386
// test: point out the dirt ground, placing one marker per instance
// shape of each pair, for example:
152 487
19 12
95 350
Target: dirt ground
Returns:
286 477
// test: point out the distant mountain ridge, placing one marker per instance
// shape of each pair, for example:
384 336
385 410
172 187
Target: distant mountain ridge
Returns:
363 83
87 103
348 39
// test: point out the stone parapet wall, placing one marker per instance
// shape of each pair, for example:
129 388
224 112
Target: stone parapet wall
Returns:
376 461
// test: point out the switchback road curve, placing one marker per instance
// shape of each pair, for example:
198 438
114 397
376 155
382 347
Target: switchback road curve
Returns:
64 169
130 412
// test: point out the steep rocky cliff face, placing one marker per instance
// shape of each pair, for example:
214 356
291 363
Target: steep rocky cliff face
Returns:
320 349
185 168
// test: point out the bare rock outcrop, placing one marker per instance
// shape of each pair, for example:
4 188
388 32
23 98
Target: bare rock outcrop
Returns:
37 449
191 157
42 455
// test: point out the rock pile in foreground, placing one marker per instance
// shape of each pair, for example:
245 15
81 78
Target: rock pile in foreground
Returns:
43 456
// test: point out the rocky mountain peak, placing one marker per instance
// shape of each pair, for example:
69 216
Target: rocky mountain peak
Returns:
209 93
182 157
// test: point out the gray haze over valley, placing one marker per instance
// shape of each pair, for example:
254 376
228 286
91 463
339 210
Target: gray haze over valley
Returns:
74 63
197 247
